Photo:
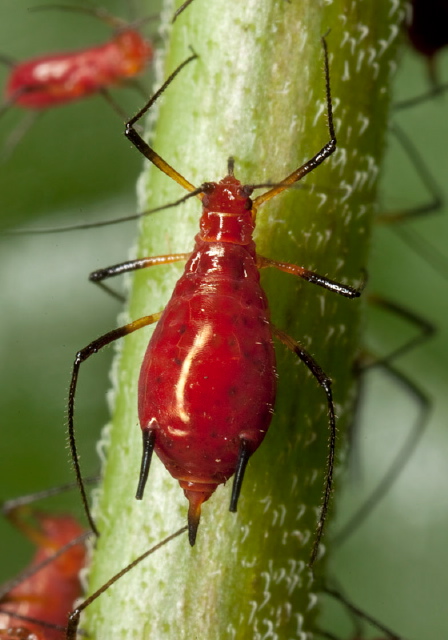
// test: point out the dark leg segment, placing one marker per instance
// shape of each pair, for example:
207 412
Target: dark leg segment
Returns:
131 265
325 383
310 276
135 265
10 506
426 329
81 356
243 459
361 614
149 439
422 171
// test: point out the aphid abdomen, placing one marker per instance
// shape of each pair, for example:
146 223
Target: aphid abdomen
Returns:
61 78
208 376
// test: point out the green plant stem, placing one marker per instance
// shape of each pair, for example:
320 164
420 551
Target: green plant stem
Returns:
257 92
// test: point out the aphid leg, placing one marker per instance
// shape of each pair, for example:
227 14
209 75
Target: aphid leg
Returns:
423 97
7 60
326 634
81 356
360 613
414 436
14 503
137 86
243 459
325 383
131 265
310 276
40 540
115 106
73 620
426 329
149 439
17 133
144 148
134 265
426 250
181 9
435 201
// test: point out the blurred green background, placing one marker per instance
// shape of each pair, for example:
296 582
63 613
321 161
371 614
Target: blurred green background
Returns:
74 164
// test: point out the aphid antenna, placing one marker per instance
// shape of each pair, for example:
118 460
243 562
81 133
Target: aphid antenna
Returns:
136 216
33 570
117 23
105 223
101 14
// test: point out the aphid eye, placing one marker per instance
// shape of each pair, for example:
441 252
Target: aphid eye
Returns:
208 188
246 191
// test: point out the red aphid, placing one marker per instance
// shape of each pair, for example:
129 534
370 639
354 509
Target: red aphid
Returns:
207 382
56 79
208 377
47 595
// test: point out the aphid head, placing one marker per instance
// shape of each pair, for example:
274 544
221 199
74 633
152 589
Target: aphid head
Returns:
227 196
136 51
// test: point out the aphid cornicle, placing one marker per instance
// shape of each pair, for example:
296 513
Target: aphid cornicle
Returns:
207 382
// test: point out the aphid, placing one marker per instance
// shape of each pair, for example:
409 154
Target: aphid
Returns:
35 604
55 79
212 349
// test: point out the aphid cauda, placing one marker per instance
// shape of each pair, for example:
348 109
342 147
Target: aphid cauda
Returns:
35 605
212 349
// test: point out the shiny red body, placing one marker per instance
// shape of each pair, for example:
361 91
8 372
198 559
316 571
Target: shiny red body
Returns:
56 79
49 594
208 377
